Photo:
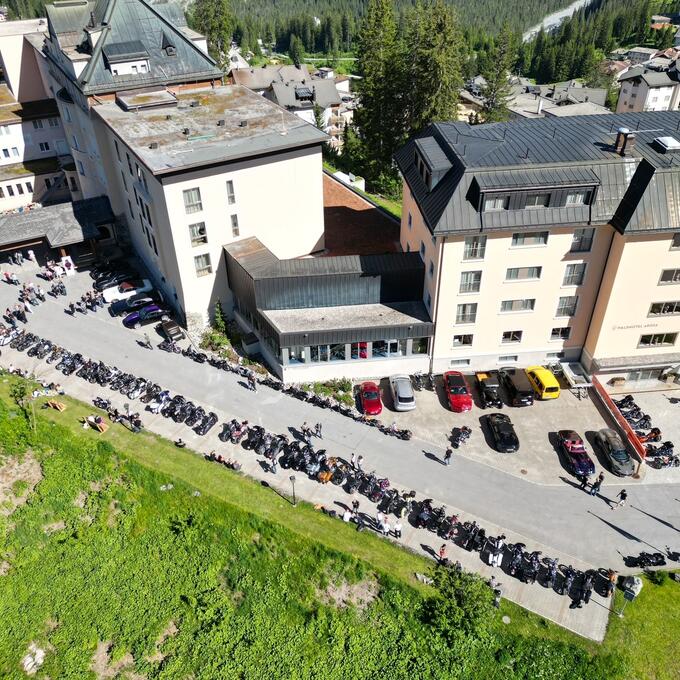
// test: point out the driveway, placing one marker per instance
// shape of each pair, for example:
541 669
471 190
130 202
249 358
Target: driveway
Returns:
558 516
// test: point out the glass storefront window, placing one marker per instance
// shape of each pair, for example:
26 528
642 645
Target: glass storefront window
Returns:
379 349
419 346
397 348
337 352
318 353
359 350
296 355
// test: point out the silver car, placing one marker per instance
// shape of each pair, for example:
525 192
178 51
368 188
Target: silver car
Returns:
614 449
402 393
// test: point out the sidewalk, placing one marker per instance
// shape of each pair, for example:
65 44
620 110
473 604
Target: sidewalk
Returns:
589 622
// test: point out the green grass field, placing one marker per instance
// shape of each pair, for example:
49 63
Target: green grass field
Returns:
220 577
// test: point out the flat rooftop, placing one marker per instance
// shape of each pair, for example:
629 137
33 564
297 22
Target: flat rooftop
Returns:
40 166
203 127
12 111
22 27
348 317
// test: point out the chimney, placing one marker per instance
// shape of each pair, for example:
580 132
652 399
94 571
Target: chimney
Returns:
153 145
539 107
628 144
186 131
221 122
621 134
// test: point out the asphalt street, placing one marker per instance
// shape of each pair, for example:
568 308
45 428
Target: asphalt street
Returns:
561 517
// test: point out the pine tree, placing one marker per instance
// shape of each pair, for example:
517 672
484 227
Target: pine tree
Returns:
496 92
214 19
295 50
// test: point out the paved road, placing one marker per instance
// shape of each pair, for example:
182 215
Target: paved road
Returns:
561 517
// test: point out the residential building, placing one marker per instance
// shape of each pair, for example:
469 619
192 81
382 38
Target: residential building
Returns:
637 55
643 89
547 239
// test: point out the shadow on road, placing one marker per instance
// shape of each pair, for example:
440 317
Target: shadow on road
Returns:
658 519
432 456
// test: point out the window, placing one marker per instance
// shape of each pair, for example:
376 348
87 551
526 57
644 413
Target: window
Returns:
511 336
419 346
410 220
554 355
5 153
4 129
538 201
318 353
198 234
582 240
48 182
67 114
81 168
75 142
122 174
15 151
475 247
129 162
231 196
429 301
29 187
523 273
234 226
670 276
496 203
142 68
192 200
10 190
466 313
2 193
53 122
155 247
132 214
508 358
431 269
578 198
37 125
202 264
675 241
560 333
462 340
658 340
664 308
296 355
573 274
422 250
524 305
470 282
20 189
537 238
74 186
115 144
148 214
134 68
459 362
338 352
567 305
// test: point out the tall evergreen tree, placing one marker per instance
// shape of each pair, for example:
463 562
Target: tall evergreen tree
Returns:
496 91
214 19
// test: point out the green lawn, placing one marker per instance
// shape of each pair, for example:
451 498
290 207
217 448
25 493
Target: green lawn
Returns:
101 553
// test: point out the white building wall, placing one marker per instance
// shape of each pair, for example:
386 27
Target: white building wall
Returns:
21 141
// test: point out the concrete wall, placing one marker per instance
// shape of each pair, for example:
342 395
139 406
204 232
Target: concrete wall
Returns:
359 369
645 99
20 141
630 285
24 183
19 60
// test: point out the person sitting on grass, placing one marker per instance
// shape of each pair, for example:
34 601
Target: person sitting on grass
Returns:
180 444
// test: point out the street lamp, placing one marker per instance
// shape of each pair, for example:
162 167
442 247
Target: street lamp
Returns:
292 481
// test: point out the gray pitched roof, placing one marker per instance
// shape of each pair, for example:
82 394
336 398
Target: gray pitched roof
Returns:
136 26
262 78
294 95
652 78
636 192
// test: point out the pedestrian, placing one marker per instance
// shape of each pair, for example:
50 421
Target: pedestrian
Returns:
347 515
147 341
31 256
397 528
72 308
583 481
274 464
587 589
360 463
448 456
7 276
442 554
380 518
19 258
386 528
353 460
355 508
306 432
611 582
317 430
621 495
360 522
27 307
15 279
595 487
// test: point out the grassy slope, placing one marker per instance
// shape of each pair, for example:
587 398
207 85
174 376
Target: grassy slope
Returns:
642 639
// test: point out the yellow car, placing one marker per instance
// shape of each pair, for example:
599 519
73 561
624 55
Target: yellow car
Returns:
544 382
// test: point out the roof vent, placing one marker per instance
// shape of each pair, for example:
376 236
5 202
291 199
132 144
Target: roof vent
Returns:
186 131
667 144
621 135
195 103
221 122
243 123
168 116
153 145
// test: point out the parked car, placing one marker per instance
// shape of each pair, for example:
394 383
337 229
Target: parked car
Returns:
489 389
503 432
172 330
131 304
519 389
127 289
106 267
402 393
613 448
112 279
578 460
369 398
457 391
145 316
544 382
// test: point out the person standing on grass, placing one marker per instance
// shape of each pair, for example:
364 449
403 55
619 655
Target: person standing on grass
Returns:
448 456
621 495
442 554
360 522
347 515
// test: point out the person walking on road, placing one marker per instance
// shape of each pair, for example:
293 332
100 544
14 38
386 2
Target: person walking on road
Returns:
360 463
621 495
353 460
317 430
583 479
448 456
147 341
587 589
397 528
597 484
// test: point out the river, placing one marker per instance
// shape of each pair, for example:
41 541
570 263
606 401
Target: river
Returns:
555 19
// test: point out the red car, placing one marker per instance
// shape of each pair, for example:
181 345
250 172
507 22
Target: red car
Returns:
580 463
369 396
457 391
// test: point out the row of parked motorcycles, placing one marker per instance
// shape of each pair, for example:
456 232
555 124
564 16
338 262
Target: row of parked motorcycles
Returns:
659 457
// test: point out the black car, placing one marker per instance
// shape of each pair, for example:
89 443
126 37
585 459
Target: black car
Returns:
131 304
520 391
113 279
102 268
503 433
489 389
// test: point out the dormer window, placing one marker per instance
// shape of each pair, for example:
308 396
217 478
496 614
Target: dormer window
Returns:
170 51
578 198
494 203
166 45
538 200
